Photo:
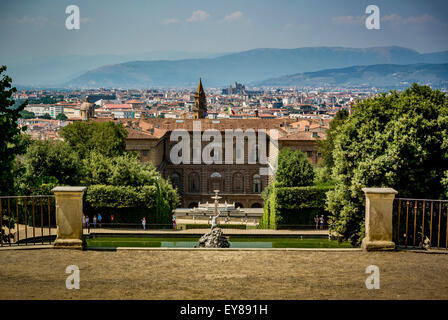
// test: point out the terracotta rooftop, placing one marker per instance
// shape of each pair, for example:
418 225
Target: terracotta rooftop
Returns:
156 128
303 135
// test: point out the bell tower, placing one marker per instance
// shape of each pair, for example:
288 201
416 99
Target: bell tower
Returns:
200 103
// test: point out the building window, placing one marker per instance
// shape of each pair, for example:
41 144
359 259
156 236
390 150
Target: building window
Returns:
175 180
216 156
215 181
309 154
237 183
193 182
257 183
238 205
215 175
253 158
145 153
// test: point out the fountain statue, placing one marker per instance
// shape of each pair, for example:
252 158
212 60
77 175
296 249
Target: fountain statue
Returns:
214 238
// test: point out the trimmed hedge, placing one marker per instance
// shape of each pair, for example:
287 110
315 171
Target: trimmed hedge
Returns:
127 204
294 206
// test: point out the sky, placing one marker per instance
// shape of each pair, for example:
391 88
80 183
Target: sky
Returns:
36 28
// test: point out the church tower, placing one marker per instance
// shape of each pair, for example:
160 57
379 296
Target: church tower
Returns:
200 103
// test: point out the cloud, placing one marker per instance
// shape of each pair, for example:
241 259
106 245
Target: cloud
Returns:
237 15
36 21
423 19
86 20
171 21
391 18
350 20
198 15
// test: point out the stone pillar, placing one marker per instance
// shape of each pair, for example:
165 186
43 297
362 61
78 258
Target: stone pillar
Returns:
69 217
379 202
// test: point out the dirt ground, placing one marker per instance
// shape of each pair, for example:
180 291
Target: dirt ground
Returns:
40 274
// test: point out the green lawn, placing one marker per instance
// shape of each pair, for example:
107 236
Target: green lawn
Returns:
235 242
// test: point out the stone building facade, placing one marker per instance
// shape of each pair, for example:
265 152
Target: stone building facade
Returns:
239 183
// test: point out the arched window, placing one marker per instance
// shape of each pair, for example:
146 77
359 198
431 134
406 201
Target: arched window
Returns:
215 175
256 205
237 183
215 182
257 183
253 154
193 205
175 180
238 205
193 182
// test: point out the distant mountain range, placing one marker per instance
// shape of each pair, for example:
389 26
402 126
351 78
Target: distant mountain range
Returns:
246 67
218 70
55 70
380 75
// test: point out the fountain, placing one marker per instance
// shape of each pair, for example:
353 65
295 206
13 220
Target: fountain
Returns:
214 238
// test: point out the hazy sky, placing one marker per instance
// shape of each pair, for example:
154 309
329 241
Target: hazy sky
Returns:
37 28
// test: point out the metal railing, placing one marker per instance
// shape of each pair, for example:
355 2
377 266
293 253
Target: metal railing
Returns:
27 220
420 223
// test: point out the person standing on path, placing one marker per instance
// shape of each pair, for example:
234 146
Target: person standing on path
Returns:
316 221
99 219
321 222
94 221
144 223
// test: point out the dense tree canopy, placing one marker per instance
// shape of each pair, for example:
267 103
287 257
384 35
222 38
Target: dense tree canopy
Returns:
27 114
397 140
327 146
46 116
294 169
129 175
10 142
107 138
61 116
49 163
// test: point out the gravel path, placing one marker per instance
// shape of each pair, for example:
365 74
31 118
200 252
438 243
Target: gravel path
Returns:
133 274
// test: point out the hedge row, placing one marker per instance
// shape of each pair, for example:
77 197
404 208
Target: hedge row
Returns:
293 206
127 204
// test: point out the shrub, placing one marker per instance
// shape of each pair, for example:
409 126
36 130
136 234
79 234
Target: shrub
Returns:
397 140
294 169
294 206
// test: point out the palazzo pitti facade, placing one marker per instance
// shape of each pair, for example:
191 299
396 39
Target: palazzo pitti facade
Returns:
241 183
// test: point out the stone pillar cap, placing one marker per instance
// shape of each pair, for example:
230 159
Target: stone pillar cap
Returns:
379 190
69 189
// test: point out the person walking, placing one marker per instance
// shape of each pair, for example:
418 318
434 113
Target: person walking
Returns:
87 222
316 221
94 221
83 220
321 222
144 223
174 222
